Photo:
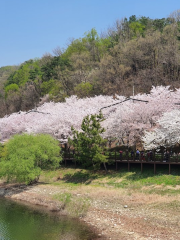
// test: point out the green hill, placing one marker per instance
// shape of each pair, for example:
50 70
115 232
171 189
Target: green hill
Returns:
137 51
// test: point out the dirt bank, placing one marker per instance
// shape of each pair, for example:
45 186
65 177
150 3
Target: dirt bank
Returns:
113 213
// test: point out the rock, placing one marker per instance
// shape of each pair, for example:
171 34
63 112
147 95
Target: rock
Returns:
125 206
2 191
8 193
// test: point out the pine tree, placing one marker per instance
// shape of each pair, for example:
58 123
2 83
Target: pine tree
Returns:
88 144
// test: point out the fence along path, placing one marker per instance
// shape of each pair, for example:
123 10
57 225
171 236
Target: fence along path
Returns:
151 158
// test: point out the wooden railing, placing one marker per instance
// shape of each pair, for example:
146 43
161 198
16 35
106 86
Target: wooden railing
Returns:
130 157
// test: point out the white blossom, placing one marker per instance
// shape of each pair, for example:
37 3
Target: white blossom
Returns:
127 121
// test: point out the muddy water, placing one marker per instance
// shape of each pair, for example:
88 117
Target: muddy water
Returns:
20 222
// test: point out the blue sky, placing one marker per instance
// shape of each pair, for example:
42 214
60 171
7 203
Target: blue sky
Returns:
31 28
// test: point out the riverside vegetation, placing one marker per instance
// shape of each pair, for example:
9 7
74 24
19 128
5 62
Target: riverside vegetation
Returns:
121 205
118 205
24 156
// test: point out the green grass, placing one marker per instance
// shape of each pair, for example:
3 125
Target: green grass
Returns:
135 180
171 206
75 206
163 191
65 198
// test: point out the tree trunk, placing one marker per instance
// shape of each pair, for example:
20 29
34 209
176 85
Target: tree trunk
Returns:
105 166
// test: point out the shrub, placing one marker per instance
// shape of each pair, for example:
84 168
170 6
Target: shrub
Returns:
23 157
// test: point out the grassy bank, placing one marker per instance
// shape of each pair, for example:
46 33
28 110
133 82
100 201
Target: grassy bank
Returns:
147 182
118 205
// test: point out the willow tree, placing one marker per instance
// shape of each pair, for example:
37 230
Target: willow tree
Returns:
24 156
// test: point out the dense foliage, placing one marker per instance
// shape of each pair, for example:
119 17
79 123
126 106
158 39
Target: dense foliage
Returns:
88 142
125 120
23 157
137 51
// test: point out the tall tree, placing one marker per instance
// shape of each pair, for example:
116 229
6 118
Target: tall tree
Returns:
88 143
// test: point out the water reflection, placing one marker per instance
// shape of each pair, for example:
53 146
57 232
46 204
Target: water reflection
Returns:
19 222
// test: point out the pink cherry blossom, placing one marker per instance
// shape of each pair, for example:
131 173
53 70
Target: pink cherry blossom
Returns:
127 121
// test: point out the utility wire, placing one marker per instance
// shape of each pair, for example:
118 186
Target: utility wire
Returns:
127 99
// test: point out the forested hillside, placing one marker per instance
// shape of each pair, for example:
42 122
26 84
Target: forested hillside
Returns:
137 51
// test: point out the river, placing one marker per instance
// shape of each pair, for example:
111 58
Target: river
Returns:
21 222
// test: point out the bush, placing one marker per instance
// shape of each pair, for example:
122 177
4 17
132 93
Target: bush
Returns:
23 157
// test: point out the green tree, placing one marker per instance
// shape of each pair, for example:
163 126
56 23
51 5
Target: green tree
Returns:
94 44
133 18
83 89
28 71
76 46
137 29
159 24
23 157
49 69
88 144
12 87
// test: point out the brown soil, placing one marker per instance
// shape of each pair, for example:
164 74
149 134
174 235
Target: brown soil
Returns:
114 214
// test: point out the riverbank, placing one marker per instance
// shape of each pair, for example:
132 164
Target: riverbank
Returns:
113 209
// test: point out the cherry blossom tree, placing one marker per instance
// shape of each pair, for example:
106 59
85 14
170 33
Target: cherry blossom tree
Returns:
125 119
53 118
167 132
129 120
